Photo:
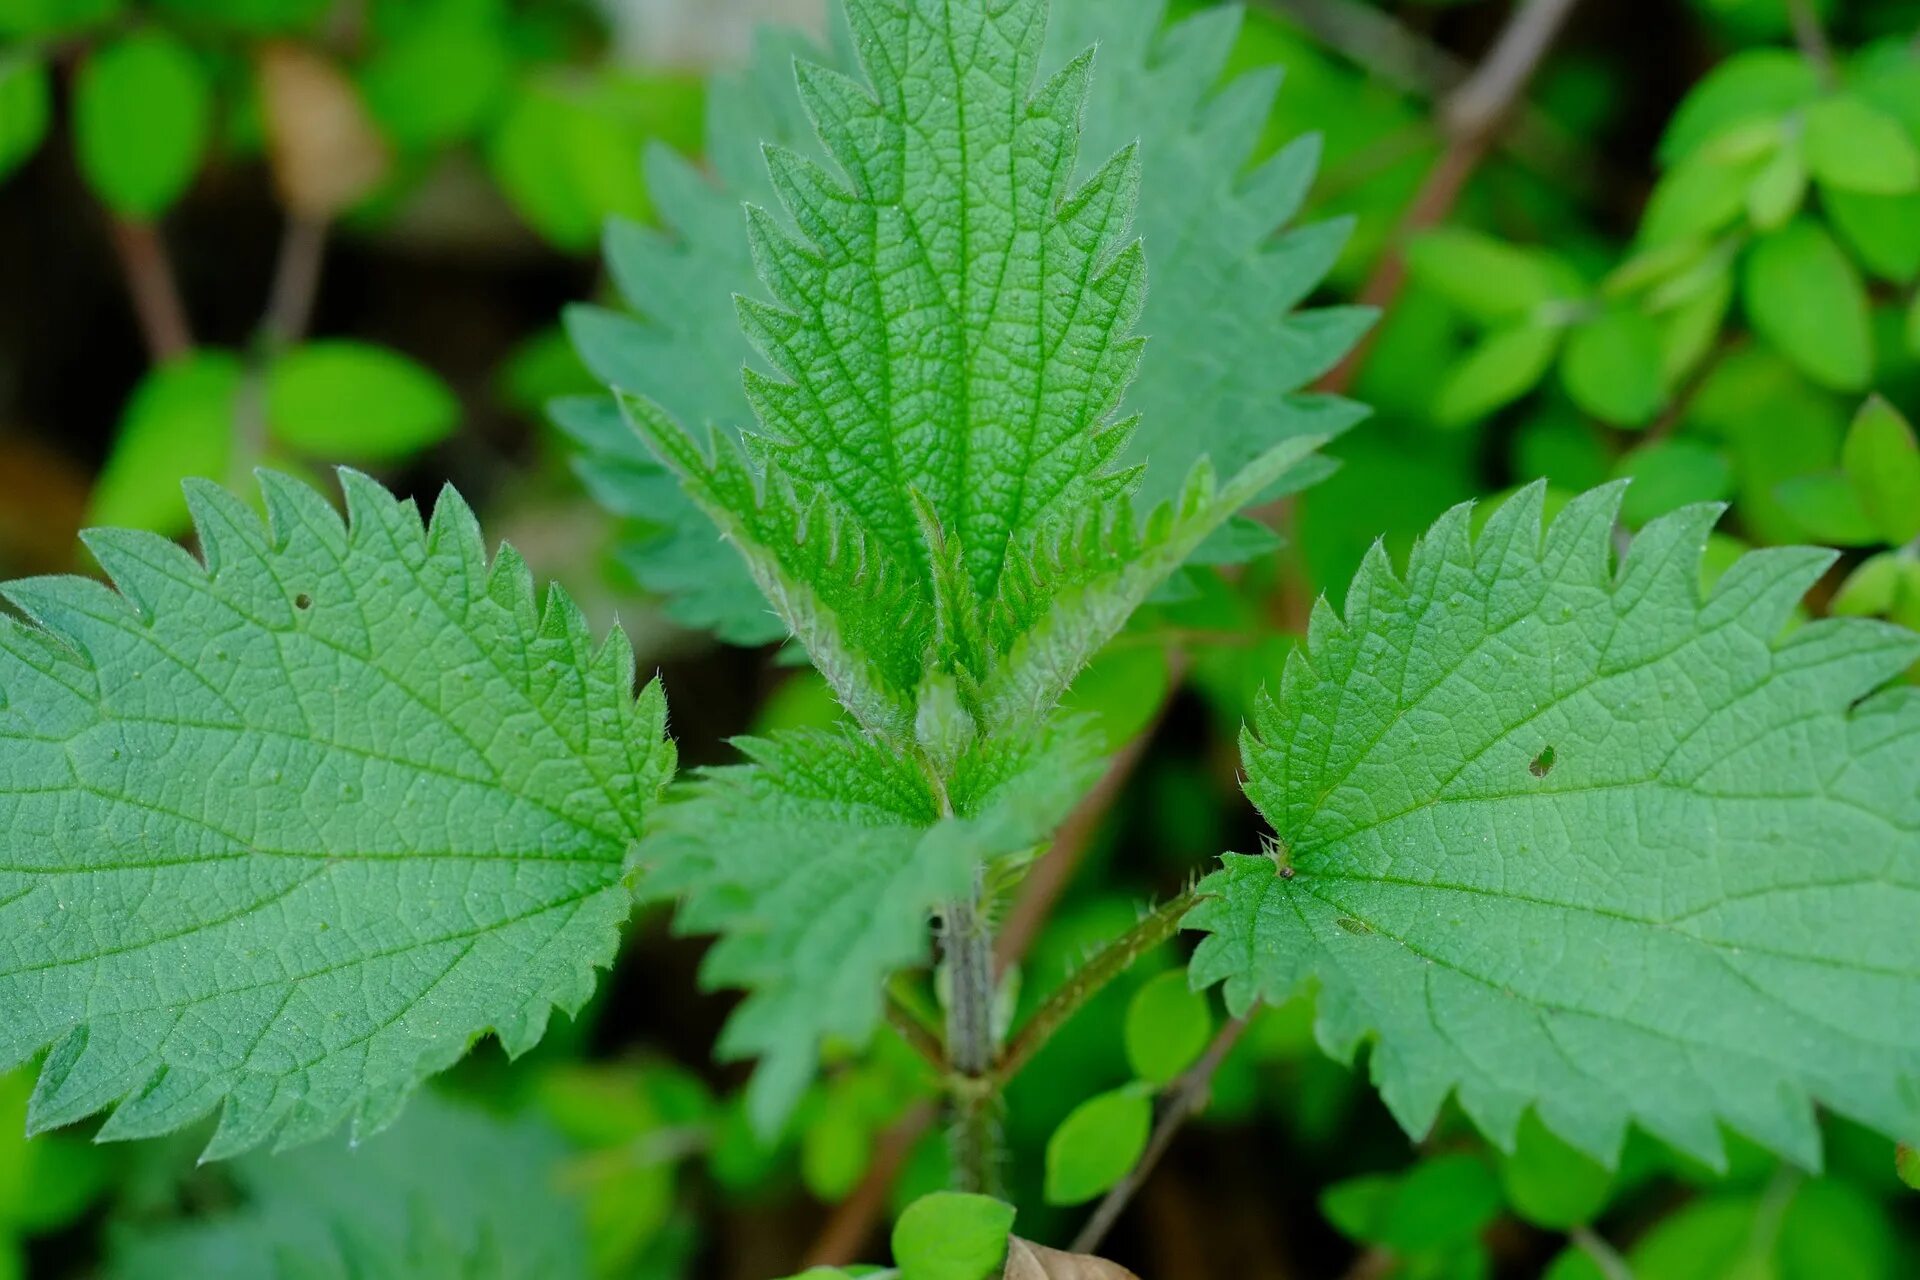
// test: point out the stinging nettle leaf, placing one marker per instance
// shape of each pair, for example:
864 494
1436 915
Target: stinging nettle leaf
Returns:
1229 353
1575 838
935 485
284 831
819 863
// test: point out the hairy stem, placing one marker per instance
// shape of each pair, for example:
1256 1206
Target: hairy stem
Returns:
1184 1098
969 953
1089 980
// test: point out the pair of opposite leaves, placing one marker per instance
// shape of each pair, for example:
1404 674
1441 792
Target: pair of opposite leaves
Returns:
286 829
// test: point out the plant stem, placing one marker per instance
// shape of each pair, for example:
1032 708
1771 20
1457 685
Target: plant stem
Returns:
920 1037
155 292
283 322
1812 39
1089 980
969 954
1604 1255
844 1237
1184 1098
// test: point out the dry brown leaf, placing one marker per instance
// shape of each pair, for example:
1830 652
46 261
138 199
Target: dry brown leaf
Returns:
325 150
1029 1261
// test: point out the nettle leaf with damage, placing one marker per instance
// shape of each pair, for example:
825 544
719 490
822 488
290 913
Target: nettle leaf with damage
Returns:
286 830
1589 841
1230 350
936 490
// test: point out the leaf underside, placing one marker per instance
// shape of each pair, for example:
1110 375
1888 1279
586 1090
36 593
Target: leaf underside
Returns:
286 831
1228 353
446 1194
1581 840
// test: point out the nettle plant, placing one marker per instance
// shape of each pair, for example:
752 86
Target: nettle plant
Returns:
290 825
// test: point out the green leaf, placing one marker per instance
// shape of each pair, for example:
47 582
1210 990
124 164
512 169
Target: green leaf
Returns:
952 1236
1753 85
1437 1205
1490 280
1883 231
356 402
1871 589
864 856
1778 190
1506 365
45 1182
1168 1026
1098 1144
1231 354
26 105
142 110
179 422
1852 146
1824 1230
424 1200
1549 1183
936 484
1671 474
1808 301
563 156
440 80
1612 367
1882 459
1658 852
1906 1163
52 17
1829 508
287 830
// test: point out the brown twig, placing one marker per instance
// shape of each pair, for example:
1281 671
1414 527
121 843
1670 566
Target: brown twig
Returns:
1471 117
283 322
919 1036
151 284
844 1236
1185 1098
1406 60
1812 39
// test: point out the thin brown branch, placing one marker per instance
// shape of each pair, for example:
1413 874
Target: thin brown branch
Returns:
844 1236
1408 61
1604 1255
1185 1098
283 323
151 284
919 1036
1472 117
1812 39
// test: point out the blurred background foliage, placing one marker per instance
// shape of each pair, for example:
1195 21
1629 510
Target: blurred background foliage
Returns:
300 233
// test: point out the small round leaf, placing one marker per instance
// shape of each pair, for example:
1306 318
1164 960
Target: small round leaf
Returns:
952 1236
142 109
1168 1026
1097 1144
350 401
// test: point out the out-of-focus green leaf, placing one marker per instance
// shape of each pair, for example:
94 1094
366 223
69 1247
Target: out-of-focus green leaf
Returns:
1488 279
142 109
1671 474
1562 448
46 1181
179 422
1871 589
1168 1026
1831 1231
1882 459
1699 197
1438 1204
1854 147
351 401
1778 190
440 80
1776 425
1808 301
1612 367
1883 231
255 17
1906 1165
1688 330
26 102
22 18
1758 84
952 1236
1506 365
1097 1144
1829 508
1573 1263
566 154
1549 1183
1121 689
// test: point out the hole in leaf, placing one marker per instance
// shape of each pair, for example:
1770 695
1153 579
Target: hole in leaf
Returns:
303 601
1542 764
